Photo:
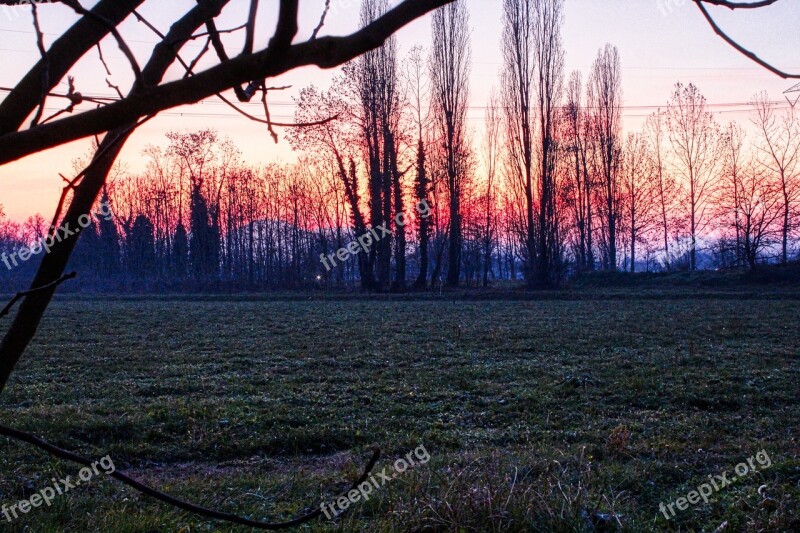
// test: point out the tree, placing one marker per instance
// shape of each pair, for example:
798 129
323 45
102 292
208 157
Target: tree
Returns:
730 195
758 208
637 187
518 94
580 189
491 162
533 78
202 239
336 140
374 78
549 83
749 199
605 101
694 136
666 188
779 153
140 247
109 250
418 89
450 68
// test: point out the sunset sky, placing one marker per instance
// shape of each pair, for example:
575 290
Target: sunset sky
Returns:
660 42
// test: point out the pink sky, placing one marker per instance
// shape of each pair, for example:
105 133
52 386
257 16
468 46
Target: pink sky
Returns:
660 42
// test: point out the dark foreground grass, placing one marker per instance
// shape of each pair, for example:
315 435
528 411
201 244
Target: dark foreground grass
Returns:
539 416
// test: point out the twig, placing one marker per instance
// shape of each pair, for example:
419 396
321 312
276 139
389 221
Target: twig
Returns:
175 502
99 100
147 23
45 70
321 20
242 95
278 124
219 48
266 113
102 59
123 46
204 34
115 87
71 183
196 60
20 295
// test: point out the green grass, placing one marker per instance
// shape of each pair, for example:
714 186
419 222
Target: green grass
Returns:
536 413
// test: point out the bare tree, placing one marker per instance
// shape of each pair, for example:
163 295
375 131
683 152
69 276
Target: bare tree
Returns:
638 185
580 189
374 77
519 70
450 68
549 56
605 102
418 90
666 188
779 153
749 198
533 80
694 136
729 190
491 162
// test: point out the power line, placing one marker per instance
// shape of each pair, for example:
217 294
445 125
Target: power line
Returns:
722 108
638 107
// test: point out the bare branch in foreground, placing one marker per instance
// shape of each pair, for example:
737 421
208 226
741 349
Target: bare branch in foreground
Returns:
324 52
181 504
20 295
728 39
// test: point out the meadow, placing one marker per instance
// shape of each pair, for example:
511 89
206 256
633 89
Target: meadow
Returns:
540 414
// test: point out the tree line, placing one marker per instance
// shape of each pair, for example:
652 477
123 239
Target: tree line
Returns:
549 188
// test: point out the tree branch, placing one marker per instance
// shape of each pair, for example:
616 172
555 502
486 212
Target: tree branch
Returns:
325 52
175 502
321 20
287 25
741 5
50 286
744 51
251 28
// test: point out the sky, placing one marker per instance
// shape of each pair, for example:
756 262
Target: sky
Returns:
661 42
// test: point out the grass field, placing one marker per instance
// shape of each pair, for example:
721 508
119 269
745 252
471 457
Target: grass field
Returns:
555 415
